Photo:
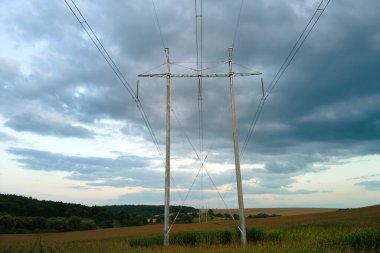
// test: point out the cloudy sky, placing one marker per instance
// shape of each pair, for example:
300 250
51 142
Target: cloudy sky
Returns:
70 131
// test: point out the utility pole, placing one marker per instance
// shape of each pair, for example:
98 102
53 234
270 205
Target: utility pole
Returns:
167 157
243 236
200 74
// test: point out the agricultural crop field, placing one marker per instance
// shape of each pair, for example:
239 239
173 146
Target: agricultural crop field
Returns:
278 211
353 230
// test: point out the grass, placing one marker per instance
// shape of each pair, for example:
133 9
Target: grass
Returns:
356 230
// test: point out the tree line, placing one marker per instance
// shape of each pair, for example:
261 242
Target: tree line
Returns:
19 214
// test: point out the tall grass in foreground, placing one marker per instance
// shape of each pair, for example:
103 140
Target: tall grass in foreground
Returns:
187 238
272 240
260 240
365 239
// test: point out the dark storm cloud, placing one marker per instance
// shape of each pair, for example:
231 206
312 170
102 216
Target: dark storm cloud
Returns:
278 177
67 66
38 124
326 106
305 115
130 169
278 168
329 93
276 184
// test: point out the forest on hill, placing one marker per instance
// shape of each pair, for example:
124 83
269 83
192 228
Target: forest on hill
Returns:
19 214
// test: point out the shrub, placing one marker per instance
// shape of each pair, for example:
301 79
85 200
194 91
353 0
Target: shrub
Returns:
7 223
273 235
59 224
262 215
254 234
187 238
204 237
147 241
75 223
365 239
225 236
88 224
39 223
26 223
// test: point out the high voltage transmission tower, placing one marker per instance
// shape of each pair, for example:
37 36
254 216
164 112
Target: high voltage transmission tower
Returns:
199 74
230 74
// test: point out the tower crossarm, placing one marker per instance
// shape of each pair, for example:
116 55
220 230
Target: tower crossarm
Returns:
201 74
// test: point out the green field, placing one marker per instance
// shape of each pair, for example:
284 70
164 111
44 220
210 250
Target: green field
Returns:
354 230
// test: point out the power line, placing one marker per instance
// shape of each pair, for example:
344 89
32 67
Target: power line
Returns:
154 68
196 32
199 49
300 41
120 76
237 23
252 127
99 45
158 24
182 66
201 80
288 60
94 38
122 79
